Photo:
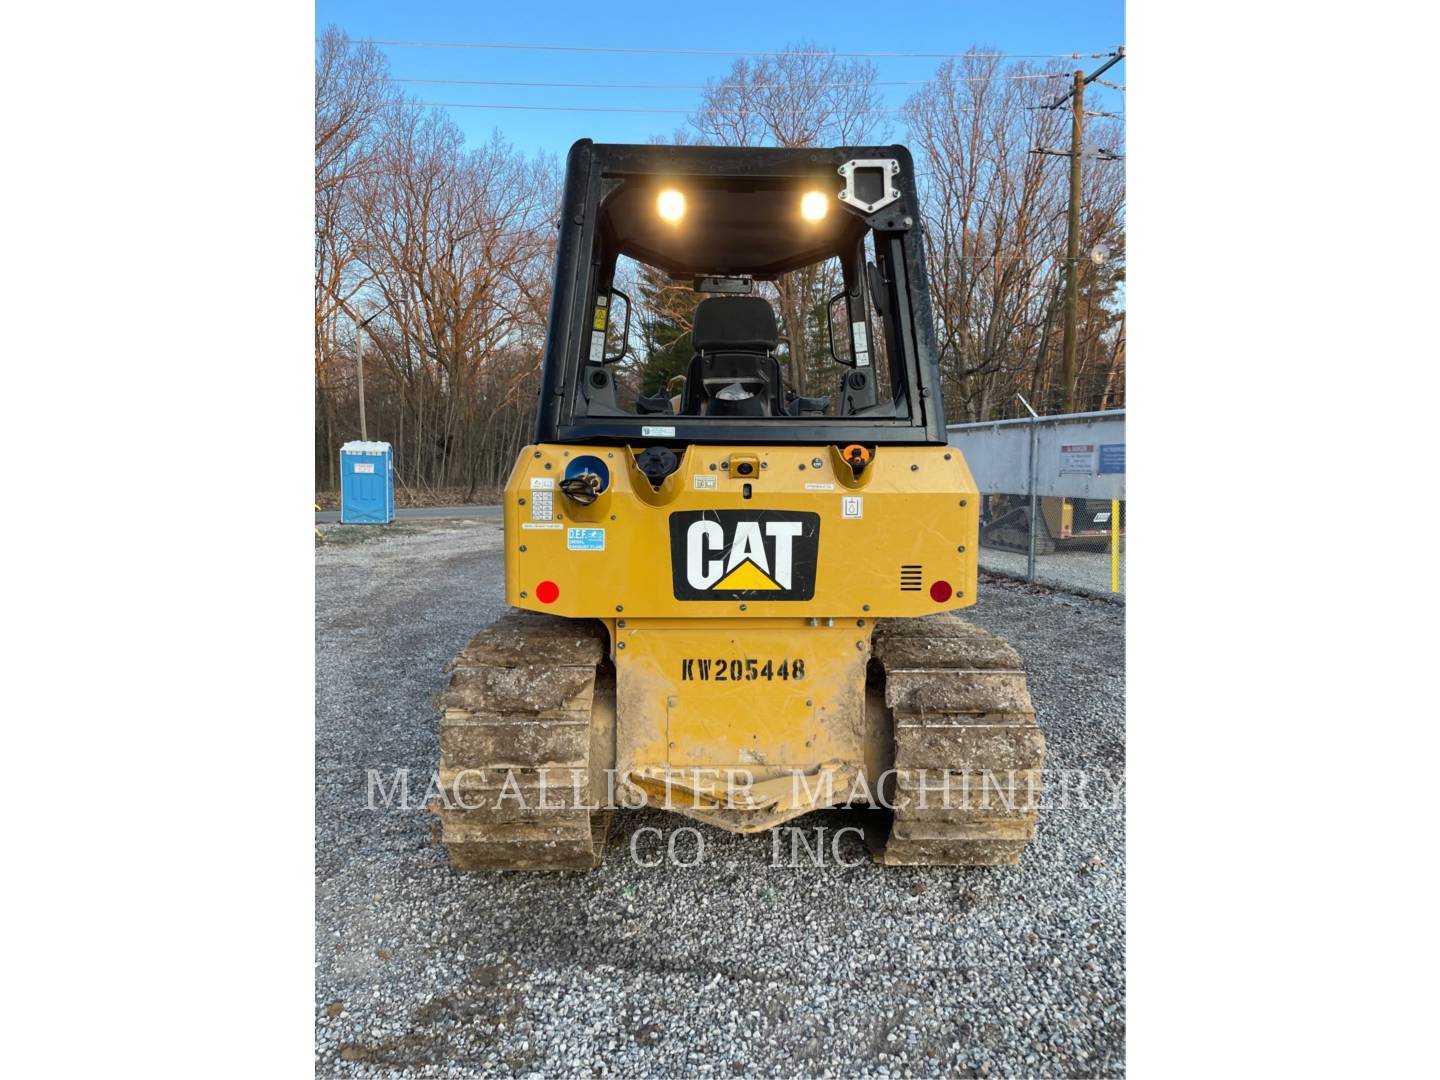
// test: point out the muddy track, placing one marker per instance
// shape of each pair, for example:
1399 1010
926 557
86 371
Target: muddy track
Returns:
516 729
968 753
531 696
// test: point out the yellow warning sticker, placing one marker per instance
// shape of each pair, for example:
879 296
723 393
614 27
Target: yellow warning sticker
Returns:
599 318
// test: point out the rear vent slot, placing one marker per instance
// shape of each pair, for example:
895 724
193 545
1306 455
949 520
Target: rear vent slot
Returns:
911 578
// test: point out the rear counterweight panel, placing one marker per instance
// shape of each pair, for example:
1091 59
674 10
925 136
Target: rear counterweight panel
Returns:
798 535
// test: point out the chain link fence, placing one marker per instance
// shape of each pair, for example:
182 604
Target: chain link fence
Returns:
1052 498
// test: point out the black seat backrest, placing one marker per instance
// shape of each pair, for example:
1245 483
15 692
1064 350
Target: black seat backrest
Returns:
734 338
743 323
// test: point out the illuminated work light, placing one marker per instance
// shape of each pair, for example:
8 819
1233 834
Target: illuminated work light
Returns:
813 206
672 205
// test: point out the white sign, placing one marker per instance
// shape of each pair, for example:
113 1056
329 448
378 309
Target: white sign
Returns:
657 432
1078 458
542 483
852 506
705 483
542 505
365 466
862 345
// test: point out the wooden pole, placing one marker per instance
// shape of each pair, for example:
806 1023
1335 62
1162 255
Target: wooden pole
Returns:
360 377
1072 243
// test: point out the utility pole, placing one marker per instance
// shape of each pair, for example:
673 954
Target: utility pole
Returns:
360 373
1072 243
359 362
1076 96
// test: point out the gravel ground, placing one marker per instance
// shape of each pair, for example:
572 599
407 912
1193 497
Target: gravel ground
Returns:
1080 571
732 967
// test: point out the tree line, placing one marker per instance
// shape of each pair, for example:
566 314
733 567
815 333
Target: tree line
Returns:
432 262
433 259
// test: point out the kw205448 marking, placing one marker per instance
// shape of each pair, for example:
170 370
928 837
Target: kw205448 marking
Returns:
734 669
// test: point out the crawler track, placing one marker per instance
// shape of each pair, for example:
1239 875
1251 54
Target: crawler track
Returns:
527 729
527 713
1011 532
968 753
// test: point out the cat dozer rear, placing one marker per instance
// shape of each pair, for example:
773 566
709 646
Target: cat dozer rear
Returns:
736 596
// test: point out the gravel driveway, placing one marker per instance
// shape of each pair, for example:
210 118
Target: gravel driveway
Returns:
1076 571
731 967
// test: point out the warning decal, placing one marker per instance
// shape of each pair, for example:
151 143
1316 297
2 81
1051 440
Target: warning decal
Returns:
862 345
1077 458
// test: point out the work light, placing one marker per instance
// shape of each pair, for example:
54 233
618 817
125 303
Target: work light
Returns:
813 206
672 205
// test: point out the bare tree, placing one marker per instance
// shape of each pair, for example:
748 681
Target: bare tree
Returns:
803 96
995 228
351 93
443 252
458 243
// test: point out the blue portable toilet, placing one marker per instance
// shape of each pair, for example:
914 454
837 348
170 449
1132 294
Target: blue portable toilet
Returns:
367 483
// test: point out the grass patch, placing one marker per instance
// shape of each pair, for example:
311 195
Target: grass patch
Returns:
344 535
405 498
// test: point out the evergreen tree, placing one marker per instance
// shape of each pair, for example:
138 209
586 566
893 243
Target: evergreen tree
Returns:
666 312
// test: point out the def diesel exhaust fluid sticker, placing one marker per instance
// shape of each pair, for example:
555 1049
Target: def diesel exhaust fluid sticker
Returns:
744 554
585 540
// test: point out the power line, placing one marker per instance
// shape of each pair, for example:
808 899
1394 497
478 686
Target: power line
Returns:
726 112
1084 80
609 109
715 85
731 52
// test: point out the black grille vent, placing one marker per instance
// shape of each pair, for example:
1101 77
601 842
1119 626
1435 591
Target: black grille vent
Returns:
910 578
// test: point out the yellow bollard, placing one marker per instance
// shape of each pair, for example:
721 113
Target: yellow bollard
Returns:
1114 545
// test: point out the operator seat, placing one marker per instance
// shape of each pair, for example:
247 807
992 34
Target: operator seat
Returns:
734 371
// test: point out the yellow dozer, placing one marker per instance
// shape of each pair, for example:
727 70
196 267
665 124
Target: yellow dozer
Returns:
735 599
1063 523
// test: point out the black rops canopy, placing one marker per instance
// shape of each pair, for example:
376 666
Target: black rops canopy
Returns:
742 217
738 224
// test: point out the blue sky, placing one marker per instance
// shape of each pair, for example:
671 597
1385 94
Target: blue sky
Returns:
936 26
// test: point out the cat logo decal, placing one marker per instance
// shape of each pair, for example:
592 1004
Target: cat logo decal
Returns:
744 555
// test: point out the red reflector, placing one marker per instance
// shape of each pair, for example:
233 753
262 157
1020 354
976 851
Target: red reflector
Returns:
940 591
547 592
